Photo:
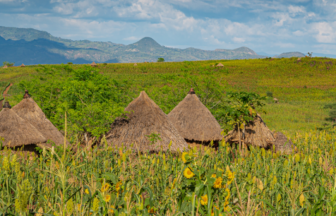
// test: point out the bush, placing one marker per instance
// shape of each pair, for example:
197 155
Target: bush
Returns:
160 60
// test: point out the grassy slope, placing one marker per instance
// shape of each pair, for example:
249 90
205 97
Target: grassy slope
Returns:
302 88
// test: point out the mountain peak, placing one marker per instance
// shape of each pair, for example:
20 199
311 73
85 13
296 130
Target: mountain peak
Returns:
147 42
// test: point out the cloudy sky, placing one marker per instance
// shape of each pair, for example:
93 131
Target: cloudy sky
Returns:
262 25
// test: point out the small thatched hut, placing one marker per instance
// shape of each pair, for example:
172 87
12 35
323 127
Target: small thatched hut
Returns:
31 112
194 121
256 134
18 132
5 66
135 64
282 144
93 64
220 65
144 119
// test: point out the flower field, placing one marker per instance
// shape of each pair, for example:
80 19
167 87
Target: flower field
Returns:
100 181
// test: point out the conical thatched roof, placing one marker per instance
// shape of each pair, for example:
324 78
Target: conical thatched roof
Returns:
220 65
93 64
31 112
16 131
194 121
145 118
23 65
256 134
5 66
282 144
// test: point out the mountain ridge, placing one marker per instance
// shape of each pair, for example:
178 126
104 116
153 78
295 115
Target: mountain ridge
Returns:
66 50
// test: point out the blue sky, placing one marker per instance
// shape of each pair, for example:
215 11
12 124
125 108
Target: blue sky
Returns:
264 26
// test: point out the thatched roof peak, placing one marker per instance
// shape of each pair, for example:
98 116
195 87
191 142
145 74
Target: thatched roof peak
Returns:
144 118
26 95
256 134
5 66
7 105
32 113
93 64
17 131
194 121
220 65
191 91
22 65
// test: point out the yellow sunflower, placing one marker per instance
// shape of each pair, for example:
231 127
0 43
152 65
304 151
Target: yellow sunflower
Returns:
105 187
184 154
204 199
107 198
188 173
218 183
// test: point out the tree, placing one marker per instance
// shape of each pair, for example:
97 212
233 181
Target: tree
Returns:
8 63
243 109
160 60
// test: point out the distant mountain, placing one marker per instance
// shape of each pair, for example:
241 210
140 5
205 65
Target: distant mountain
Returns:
289 55
31 46
324 55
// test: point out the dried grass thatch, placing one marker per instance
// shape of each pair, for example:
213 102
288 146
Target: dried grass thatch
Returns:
16 131
5 66
135 64
31 112
194 121
256 134
282 144
93 64
220 65
145 118
1 104
22 65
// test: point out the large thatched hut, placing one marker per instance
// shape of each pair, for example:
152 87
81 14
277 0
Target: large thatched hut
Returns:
256 134
282 144
194 121
31 112
18 132
145 118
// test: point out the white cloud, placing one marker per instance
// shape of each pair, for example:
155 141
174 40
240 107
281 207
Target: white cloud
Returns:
238 40
325 32
296 9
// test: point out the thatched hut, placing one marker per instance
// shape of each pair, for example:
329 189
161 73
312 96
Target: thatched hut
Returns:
275 100
18 132
93 64
22 65
5 66
220 65
194 121
144 118
256 134
31 112
135 64
282 144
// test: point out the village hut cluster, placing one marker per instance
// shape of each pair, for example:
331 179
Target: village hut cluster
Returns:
26 126
144 127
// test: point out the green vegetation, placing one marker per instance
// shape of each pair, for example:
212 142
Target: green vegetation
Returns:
160 60
111 181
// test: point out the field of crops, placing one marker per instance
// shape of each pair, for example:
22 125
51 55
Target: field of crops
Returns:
103 180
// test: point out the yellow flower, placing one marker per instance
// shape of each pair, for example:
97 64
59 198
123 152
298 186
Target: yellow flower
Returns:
118 186
204 199
230 175
188 173
302 199
184 154
87 191
105 187
213 176
111 210
107 198
218 183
